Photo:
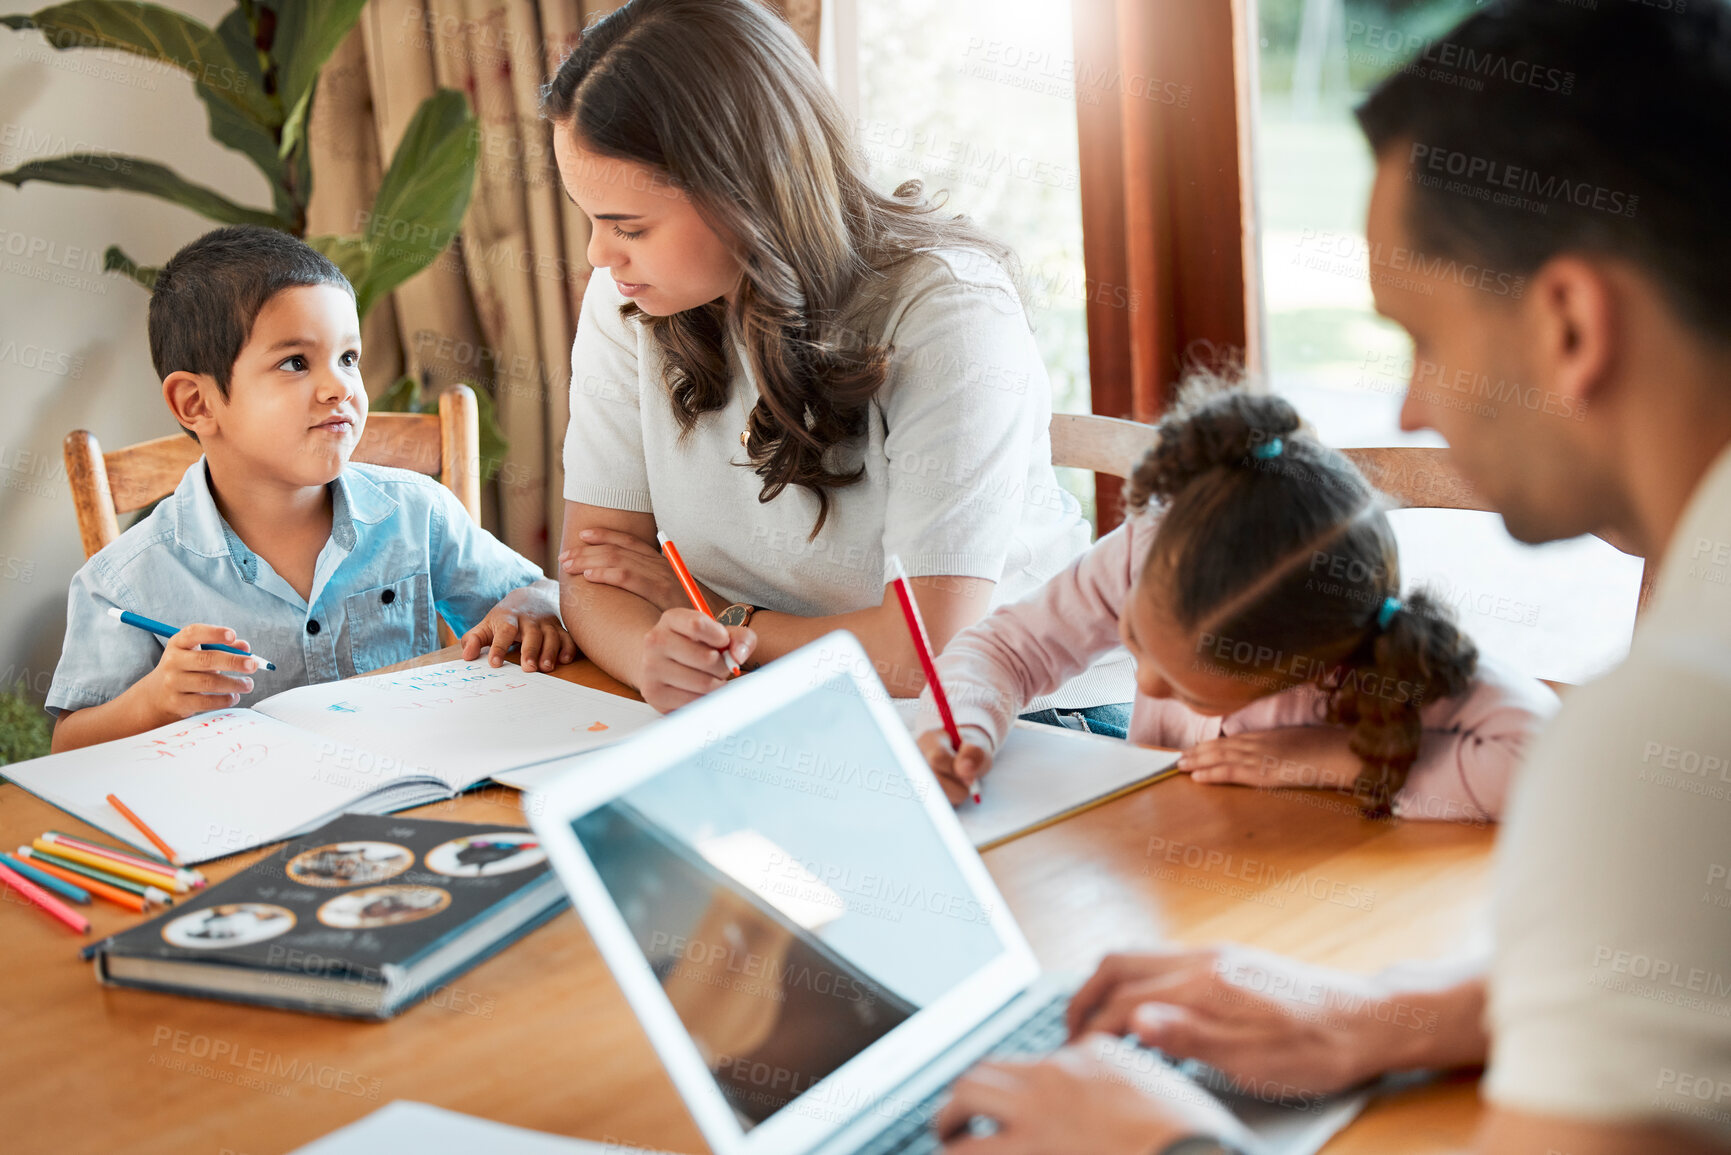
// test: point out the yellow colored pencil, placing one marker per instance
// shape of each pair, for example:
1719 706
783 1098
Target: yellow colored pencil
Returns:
160 879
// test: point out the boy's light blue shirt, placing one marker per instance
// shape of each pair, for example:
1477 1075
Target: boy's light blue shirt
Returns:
402 550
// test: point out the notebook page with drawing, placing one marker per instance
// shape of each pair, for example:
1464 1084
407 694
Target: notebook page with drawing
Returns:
229 780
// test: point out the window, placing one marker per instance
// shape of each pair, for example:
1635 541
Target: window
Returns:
974 97
1562 611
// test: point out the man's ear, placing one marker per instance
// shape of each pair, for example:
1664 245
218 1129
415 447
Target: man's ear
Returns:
194 399
1578 326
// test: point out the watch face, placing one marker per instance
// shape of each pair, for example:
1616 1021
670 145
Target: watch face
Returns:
735 615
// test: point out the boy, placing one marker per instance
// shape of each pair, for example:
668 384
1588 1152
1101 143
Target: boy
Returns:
326 569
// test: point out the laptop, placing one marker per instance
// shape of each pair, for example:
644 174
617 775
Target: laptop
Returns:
788 903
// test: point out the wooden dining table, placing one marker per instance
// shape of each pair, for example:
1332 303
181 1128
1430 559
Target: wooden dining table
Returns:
539 1035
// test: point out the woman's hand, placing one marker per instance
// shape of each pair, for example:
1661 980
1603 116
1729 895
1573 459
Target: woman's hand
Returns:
1259 1016
682 659
616 558
959 772
1314 757
1102 1096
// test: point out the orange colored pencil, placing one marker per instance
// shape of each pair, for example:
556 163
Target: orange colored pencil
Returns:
692 592
114 894
43 899
167 851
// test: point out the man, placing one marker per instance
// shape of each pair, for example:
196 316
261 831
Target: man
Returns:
1548 225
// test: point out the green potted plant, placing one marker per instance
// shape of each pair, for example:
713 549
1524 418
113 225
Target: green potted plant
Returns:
256 73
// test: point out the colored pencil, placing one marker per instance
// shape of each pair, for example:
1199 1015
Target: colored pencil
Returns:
923 647
43 878
192 878
162 630
692 592
96 880
44 900
167 851
163 879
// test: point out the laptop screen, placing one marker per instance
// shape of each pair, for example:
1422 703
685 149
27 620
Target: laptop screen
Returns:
790 894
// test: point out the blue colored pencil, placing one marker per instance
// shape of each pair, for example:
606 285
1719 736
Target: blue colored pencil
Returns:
43 878
166 631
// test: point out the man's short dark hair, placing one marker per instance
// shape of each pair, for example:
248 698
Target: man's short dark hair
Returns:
1539 127
209 294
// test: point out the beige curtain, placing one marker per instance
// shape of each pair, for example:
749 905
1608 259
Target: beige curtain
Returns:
499 309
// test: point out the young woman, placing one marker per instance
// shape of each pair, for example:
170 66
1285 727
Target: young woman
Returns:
791 375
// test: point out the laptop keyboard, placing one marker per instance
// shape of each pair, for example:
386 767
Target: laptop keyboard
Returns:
912 1134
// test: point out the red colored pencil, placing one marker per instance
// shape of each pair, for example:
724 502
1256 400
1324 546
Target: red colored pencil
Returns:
923 647
692 592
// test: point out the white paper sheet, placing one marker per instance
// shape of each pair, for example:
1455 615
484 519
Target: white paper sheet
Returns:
409 1128
209 785
1041 772
462 721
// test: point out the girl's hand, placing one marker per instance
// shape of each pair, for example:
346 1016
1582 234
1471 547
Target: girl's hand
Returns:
682 657
612 557
1313 757
958 772
1102 1096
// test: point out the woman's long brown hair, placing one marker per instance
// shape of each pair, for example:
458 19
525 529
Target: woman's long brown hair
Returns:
723 98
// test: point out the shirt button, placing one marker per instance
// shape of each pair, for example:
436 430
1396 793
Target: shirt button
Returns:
312 627
388 596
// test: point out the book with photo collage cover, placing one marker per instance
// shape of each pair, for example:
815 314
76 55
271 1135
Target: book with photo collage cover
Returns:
360 918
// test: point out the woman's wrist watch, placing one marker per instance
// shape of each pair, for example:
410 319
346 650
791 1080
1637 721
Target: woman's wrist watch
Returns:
737 614
1197 1145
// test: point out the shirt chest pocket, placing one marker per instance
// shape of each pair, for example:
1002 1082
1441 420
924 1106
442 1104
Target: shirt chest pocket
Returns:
390 623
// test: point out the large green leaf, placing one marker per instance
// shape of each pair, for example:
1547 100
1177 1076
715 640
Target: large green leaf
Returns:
99 170
116 261
350 254
307 32
156 33
234 129
423 195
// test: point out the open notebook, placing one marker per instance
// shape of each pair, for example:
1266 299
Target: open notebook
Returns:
1041 774
229 780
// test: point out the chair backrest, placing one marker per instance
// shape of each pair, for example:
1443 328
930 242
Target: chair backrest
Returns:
1416 478
446 445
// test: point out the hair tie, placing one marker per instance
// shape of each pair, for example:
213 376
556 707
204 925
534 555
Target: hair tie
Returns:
1390 607
1268 449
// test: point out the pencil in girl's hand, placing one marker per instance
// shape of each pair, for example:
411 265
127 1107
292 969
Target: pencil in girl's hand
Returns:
923 647
692 592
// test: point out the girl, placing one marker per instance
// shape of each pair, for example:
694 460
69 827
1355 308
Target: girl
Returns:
787 372
1260 599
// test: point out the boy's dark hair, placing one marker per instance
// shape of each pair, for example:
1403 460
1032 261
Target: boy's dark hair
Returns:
209 294
1611 120
1279 559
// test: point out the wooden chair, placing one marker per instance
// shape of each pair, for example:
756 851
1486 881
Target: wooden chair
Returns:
1416 478
106 485
446 445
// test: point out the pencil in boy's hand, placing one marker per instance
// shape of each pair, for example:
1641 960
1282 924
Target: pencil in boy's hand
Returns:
162 630
167 851
691 591
923 647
